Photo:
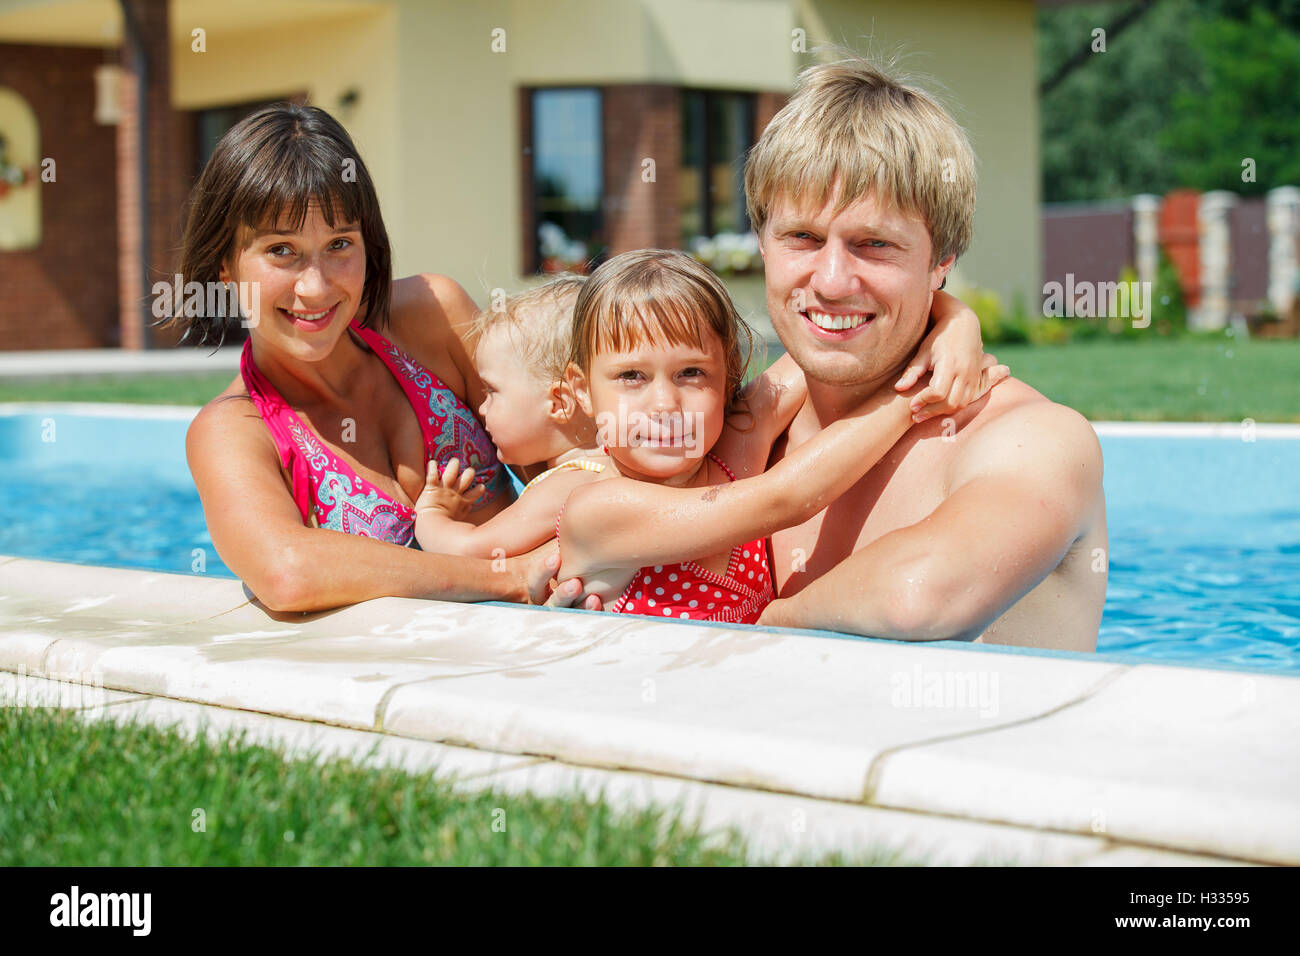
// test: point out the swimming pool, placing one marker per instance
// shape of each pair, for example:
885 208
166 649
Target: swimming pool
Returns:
1204 522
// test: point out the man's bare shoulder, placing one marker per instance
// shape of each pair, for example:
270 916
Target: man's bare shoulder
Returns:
1020 430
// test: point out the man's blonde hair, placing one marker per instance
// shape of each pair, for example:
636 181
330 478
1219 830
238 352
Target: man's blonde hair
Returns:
853 127
539 322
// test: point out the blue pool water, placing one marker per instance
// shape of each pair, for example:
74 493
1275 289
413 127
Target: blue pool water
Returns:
1204 532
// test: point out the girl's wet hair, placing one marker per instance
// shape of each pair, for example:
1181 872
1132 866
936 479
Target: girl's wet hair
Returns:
659 297
267 171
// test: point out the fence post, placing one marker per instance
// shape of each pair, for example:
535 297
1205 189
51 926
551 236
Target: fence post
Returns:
1146 237
1216 261
1283 258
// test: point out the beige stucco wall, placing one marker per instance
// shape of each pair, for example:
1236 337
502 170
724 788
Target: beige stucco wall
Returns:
459 210
322 56
437 123
981 59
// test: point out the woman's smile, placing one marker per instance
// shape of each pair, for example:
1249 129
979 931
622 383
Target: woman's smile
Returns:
312 320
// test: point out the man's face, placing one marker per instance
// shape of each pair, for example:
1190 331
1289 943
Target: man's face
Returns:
848 293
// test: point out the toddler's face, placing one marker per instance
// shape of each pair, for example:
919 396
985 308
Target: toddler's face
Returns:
515 409
659 409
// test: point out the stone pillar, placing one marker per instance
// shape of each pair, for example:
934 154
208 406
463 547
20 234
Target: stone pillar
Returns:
1216 262
1146 237
1283 248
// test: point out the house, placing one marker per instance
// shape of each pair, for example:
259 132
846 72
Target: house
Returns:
505 136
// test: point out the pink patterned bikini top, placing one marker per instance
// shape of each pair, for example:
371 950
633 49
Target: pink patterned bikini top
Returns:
328 490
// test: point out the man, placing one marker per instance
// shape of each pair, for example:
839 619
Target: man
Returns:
987 525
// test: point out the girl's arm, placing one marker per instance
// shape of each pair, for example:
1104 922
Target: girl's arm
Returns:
624 523
527 523
952 352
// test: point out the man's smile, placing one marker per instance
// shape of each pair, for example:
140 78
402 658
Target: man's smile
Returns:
838 325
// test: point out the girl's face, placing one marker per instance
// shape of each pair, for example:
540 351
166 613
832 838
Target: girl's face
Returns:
659 408
515 409
301 289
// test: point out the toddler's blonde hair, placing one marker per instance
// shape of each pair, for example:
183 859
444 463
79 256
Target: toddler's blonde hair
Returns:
539 322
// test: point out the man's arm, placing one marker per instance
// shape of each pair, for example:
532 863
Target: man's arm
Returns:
1022 493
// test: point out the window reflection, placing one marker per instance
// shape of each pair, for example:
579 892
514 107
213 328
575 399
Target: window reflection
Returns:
567 176
717 132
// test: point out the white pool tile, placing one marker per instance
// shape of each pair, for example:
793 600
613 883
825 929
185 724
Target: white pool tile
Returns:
61 595
71 692
786 712
334 667
786 829
303 738
1196 760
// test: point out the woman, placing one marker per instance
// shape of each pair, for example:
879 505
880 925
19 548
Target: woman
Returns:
349 383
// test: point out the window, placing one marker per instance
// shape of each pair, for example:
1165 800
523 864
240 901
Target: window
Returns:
568 177
212 124
717 132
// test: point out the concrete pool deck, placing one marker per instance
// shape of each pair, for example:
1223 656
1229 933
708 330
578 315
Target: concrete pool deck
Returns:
805 742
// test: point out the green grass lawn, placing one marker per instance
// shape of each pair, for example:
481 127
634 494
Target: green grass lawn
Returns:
1165 380
1190 379
144 389
105 794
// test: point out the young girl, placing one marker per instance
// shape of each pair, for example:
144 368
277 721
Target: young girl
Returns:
656 362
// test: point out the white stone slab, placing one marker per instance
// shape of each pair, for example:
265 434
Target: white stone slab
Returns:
74 693
1195 760
781 828
56 597
789 712
334 667
1128 855
298 738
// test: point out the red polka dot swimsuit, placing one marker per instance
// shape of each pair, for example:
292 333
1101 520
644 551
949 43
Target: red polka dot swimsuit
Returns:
688 591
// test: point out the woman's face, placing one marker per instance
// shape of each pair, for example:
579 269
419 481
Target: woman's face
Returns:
300 289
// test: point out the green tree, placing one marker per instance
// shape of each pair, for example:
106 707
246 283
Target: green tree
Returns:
1101 124
1238 126
1178 99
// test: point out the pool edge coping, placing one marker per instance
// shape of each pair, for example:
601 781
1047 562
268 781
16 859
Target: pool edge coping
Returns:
449 726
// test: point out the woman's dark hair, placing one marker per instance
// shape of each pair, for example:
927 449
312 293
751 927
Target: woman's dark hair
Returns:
272 164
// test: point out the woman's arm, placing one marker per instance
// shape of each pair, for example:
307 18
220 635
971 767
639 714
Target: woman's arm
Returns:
258 532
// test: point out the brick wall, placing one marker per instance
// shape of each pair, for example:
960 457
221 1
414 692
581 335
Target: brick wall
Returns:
63 294
641 121
767 105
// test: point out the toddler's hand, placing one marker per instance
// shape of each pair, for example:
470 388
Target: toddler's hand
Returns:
449 493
